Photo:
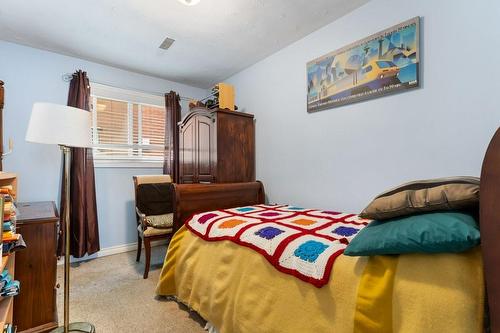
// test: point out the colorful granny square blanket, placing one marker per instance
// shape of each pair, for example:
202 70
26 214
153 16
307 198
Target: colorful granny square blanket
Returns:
297 241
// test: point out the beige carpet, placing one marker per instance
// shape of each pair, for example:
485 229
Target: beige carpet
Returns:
111 293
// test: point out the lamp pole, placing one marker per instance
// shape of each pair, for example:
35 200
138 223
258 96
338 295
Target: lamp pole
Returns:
79 326
67 187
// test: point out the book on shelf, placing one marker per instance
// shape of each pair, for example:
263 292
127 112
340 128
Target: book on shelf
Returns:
11 241
10 287
222 96
9 236
8 208
9 226
9 328
11 247
6 189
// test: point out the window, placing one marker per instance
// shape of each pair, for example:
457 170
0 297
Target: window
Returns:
366 69
385 64
128 127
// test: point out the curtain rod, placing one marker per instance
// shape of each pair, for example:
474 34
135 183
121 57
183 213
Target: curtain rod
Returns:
67 78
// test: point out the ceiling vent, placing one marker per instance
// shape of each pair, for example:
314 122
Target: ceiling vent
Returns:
189 2
165 45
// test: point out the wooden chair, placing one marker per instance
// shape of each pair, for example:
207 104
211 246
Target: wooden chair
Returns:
154 212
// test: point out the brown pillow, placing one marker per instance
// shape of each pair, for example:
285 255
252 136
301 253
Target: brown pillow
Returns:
425 196
155 198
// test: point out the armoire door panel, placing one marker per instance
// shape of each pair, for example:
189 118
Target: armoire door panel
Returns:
204 139
187 152
235 148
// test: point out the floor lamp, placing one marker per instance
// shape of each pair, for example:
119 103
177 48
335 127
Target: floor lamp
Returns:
67 127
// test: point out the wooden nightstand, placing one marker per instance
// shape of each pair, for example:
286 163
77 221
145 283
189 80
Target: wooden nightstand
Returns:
35 308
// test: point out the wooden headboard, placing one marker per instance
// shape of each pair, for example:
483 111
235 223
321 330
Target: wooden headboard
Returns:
489 221
197 198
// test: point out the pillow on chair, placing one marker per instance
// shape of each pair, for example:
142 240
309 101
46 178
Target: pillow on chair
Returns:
155 199
160 221
153 231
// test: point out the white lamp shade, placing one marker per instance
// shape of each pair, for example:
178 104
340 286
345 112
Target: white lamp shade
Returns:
59 124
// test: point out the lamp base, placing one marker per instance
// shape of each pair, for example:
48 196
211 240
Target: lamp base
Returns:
76 327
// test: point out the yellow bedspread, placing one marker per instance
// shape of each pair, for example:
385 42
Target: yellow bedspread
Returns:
237 290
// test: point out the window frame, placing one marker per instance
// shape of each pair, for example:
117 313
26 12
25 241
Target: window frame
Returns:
130 97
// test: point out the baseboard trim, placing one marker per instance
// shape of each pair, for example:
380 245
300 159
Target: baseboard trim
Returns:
108 251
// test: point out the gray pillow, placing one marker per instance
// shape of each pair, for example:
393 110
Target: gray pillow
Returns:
423 196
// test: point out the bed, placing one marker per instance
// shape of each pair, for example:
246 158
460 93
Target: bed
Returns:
237 290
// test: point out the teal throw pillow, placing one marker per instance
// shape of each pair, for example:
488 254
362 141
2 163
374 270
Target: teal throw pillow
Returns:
438 232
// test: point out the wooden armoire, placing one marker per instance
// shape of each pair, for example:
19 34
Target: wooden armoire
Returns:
216 146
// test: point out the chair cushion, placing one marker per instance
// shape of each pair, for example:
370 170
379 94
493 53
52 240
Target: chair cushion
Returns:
160 221
153 231
155 199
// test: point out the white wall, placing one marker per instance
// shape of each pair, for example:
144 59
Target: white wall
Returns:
32 75
341 158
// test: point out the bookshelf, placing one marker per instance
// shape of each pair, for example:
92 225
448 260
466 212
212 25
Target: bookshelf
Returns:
7 179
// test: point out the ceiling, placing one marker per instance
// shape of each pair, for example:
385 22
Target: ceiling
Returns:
213 40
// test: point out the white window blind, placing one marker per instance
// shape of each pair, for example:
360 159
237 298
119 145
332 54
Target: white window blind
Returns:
128 126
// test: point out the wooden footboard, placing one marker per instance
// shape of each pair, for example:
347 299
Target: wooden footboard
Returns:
197 198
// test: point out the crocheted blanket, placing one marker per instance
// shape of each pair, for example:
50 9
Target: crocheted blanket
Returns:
297 241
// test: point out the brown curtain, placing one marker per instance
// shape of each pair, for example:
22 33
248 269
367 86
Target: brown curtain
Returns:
83 208
173 116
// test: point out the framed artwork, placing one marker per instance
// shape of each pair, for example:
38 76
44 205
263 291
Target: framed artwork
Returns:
381 64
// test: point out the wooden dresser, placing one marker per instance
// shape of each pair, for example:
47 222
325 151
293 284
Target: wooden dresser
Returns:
216 146
35 308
